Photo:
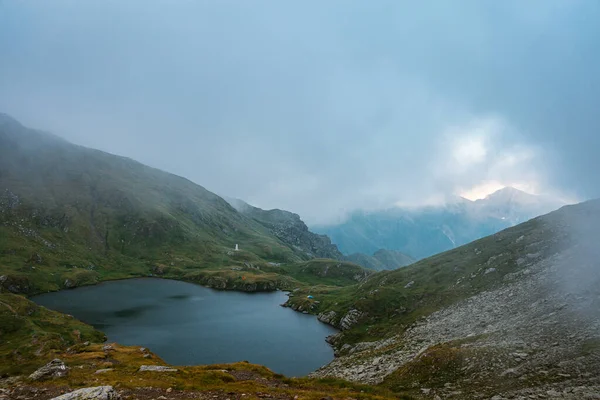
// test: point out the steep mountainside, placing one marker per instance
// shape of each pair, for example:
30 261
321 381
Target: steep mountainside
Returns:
427 231
512 315
70 215
381 260
290 229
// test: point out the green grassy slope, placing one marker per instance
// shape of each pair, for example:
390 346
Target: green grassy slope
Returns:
290 229
70 215
392 300
381 260
326 272
30 334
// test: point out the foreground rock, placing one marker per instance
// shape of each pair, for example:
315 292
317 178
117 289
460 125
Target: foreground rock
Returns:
54 369
91 393
104 370
156 368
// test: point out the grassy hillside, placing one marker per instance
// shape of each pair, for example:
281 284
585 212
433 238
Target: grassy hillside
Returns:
470 323
327 272
392 300
381 260
513 314
250 276
30 334
290 229
70 216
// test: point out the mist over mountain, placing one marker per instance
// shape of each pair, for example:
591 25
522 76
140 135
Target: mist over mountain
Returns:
290 229
420 212
422 232
74 215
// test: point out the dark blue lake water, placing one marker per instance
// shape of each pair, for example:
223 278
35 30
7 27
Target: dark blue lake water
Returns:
187 324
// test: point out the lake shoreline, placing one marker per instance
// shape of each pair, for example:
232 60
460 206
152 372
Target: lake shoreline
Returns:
274 319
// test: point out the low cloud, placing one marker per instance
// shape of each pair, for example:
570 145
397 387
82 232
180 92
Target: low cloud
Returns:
319 108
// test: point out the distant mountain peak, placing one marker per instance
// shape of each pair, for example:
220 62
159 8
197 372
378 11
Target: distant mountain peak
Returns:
510 193
510 190
422 232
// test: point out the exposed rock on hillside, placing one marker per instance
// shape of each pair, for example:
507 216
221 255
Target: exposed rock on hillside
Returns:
156 368
91 393
290 229
130 377
71 215
350 319
54 369
329 317
534 329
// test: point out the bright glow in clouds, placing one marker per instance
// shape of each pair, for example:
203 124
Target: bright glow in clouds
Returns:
468 149
482 191
485 189
486 155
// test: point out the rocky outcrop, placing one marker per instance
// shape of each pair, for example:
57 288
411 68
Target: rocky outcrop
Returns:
290 229
15 284
156 368
329 318
91 393
54 369
350 319
219 282
104 370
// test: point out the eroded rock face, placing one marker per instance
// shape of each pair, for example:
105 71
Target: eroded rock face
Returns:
350 319
328 318
290 229
91 393
222 283
54 369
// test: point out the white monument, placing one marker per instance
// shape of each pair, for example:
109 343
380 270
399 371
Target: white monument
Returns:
236 247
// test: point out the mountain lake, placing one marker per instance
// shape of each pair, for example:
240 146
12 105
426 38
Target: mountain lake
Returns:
188 324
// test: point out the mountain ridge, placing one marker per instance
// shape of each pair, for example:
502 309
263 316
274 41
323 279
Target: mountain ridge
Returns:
289 228
422 232
511 315
71 216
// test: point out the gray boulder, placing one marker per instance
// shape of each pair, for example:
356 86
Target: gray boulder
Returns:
91 393
104 370
54 369
156 368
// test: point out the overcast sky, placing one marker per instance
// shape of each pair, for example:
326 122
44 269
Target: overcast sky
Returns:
319 107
